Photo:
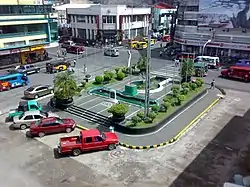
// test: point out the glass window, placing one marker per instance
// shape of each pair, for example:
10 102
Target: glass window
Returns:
98 139
30 117
92 19
33 107
30 89
38 117
104 19
88 140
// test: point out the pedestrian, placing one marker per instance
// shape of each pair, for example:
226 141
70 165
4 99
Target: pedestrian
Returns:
212 84
160 52
161 45
74 63
84 68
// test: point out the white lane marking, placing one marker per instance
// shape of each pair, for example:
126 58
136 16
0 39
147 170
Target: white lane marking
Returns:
163 95
93 106
89 101
170 120
132 113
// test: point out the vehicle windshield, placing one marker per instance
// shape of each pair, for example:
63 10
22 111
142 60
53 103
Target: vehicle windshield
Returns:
21 116
37 122
103 136
44 113
30 89
59 120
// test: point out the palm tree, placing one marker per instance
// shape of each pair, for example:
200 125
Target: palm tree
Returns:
187 68
65 86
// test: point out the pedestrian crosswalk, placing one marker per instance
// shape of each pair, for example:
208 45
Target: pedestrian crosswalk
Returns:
169 71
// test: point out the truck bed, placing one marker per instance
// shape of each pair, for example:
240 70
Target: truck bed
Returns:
70 141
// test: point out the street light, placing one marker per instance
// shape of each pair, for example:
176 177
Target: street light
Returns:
78 69
203 48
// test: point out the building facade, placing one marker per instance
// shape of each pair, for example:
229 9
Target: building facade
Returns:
202 30
109 22
26 29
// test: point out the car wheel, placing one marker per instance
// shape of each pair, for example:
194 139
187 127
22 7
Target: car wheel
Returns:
23 126
36 96
111 147
68 130
76 152
41 134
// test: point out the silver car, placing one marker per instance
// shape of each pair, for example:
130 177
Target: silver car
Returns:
111 52
24 121
37 91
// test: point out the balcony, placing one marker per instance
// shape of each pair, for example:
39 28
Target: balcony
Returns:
22 34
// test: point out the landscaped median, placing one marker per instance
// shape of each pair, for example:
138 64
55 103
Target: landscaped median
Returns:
167 142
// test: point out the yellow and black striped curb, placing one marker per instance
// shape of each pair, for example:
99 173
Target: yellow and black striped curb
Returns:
169 141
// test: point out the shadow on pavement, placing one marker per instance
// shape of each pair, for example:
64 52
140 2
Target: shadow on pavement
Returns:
226 155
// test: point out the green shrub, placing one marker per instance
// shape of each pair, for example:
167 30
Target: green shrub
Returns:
148 120
167 98
155 108
175 88
200 80
109 73
107 77
118 110
136 119
175 91
99 79
152 115
166 105
198 83
184 85
193 86
185 91
124 69
117 69
140 115
174 101
163 108
181 98
120 75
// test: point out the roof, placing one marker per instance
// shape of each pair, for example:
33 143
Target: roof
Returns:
32 102
164 6
49 119
241 67
91 132
65 6
11 75
32 112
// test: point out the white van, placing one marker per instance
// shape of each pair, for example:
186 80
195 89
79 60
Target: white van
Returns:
213 62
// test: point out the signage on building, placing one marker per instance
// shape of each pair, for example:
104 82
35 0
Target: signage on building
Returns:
5 52
24 49
37 48
12 51
224 14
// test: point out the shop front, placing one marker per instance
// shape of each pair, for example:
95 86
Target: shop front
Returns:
33 54
8 57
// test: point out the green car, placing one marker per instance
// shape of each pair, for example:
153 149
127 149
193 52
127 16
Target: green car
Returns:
200 69
23 107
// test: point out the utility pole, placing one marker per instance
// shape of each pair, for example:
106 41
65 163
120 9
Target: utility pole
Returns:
148 63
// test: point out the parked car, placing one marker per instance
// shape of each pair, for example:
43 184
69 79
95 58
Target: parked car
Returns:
88 140
4 85
76 49
57 67
111 52
23 107
37 91
51 125
66 44
25 69
24 121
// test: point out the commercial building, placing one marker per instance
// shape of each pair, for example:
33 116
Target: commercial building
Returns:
108 22
26 29
216 28
163 15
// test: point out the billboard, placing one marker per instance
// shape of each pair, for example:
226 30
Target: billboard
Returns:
224 13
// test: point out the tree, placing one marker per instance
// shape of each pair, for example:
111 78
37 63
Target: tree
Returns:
118 110
65 86
187 69
142 64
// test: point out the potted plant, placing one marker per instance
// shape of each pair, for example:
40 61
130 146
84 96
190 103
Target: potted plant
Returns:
118 111
65 87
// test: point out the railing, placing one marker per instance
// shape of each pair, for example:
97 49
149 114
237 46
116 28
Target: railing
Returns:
20 34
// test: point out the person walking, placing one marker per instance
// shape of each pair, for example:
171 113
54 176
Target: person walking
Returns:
212 84
160 53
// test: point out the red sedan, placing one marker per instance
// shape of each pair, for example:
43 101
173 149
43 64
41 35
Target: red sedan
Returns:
51 125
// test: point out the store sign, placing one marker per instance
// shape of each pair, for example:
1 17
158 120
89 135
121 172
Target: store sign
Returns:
37 48
5 52
12 51
24 49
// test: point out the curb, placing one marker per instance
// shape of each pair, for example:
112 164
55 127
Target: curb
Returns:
174 139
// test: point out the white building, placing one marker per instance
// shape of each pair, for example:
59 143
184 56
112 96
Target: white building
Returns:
108 22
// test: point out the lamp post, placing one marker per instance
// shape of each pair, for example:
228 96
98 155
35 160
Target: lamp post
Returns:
78 69
203 48
129 65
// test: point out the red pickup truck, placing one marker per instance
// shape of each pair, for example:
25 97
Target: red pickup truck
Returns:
88 140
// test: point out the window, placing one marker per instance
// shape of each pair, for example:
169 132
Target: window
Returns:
109 19
81 19
49 124
92 19
30 117
88 140
140 18
88 19
98 139
40 88
104 19
33 107
37 117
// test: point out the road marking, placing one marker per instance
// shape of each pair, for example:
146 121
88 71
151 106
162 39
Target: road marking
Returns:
133 113
93 106
163 95
148 134
89 101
